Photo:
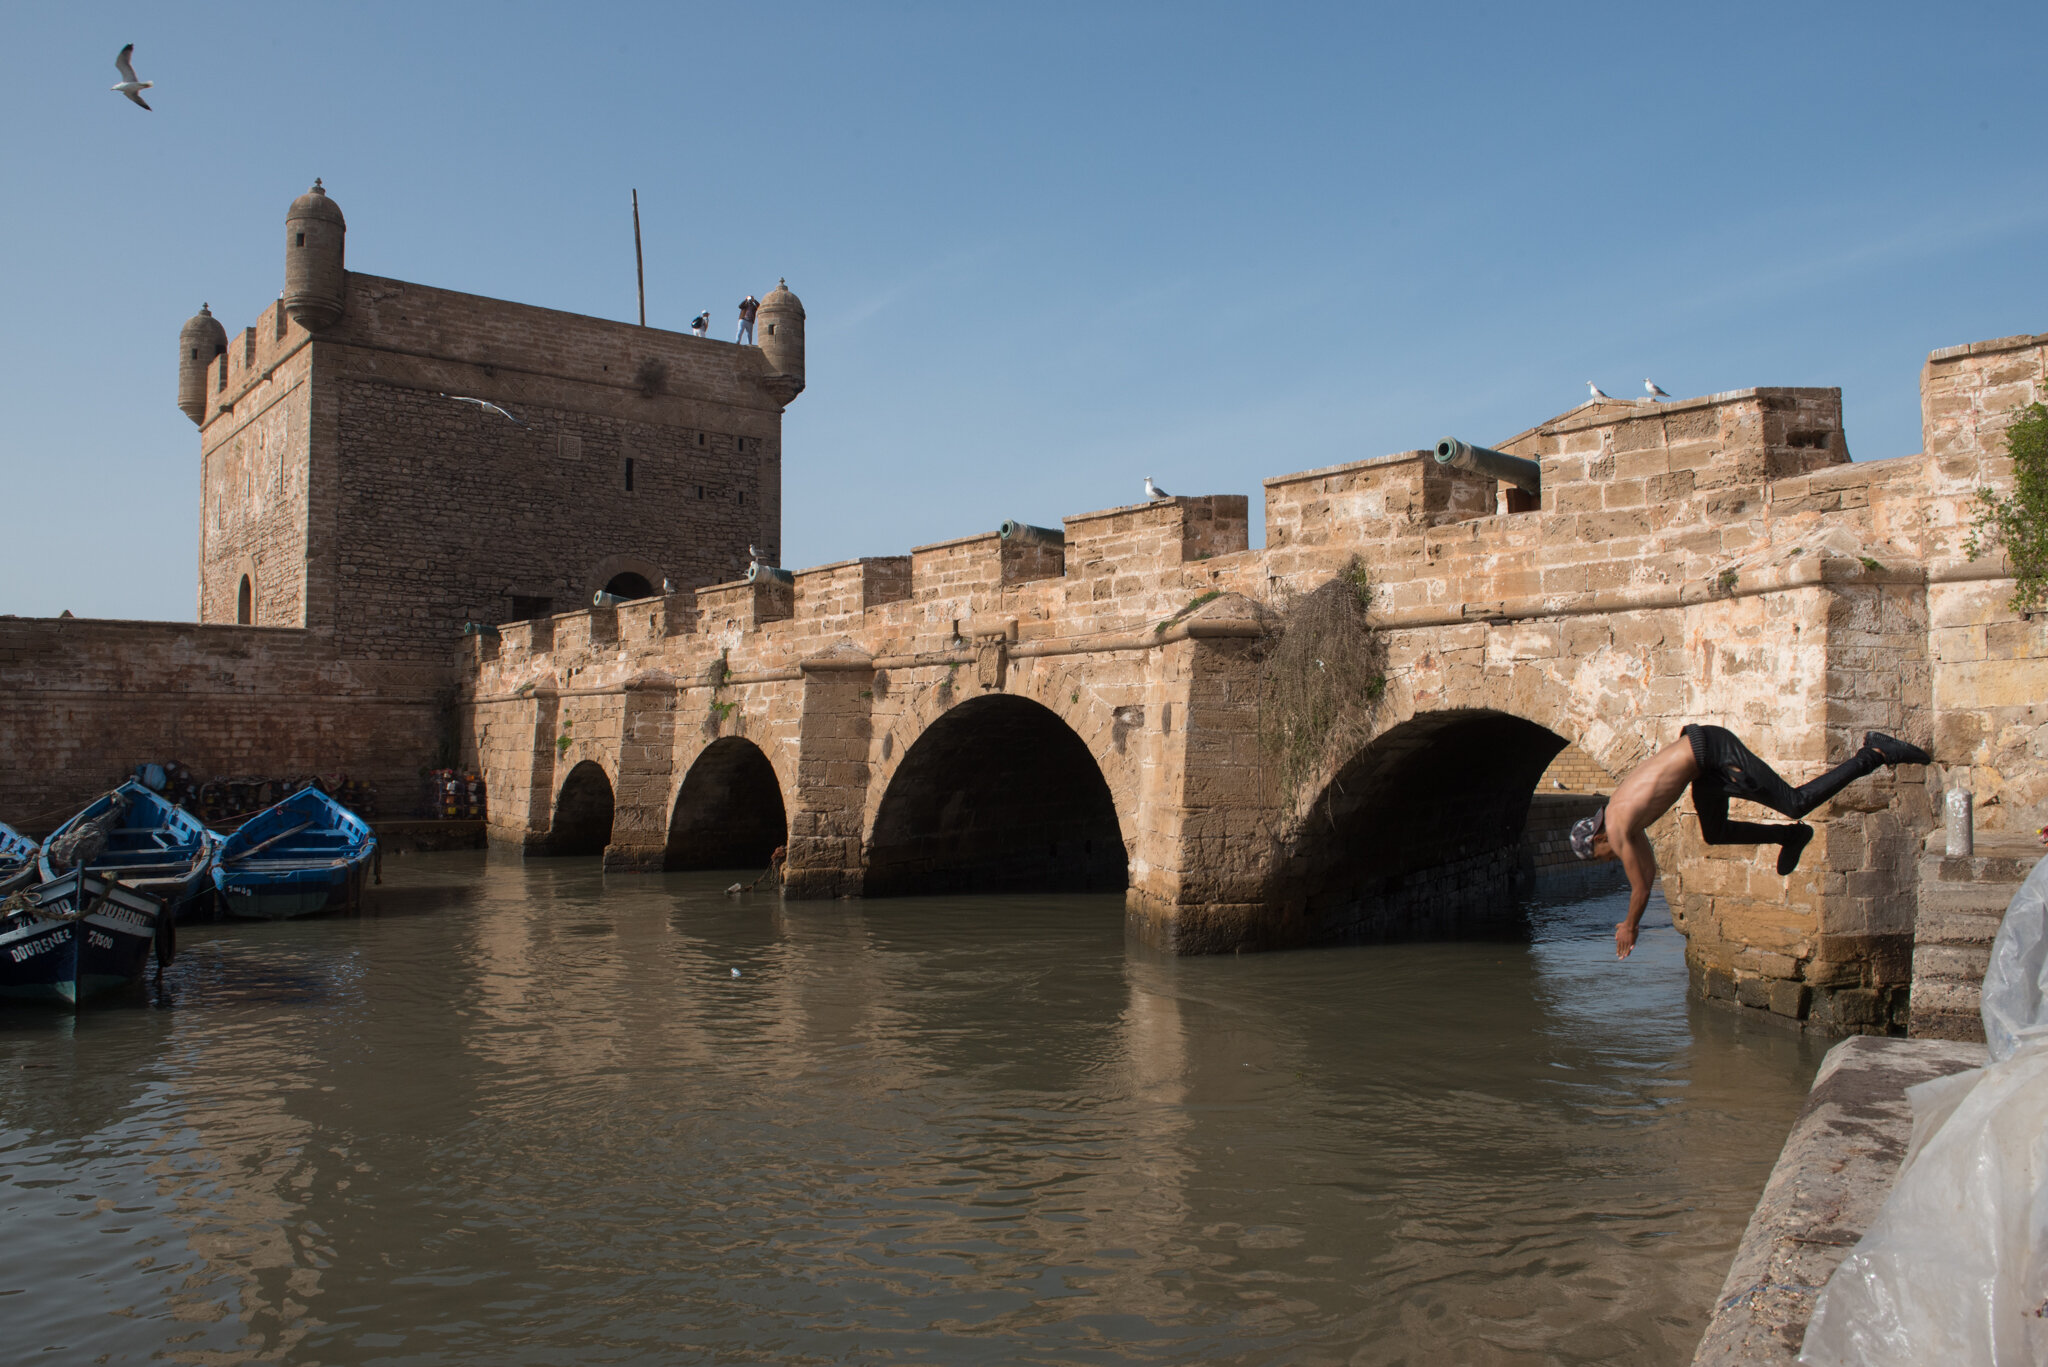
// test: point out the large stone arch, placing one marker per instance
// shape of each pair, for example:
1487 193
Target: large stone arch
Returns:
730 811
1601 697
583 810
1418 835
998 793
1064 692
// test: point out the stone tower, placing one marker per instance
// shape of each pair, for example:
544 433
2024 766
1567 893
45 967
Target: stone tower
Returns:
781 334
314 276
200 342
387 461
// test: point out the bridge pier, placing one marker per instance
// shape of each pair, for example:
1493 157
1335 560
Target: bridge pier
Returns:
643 781
825 857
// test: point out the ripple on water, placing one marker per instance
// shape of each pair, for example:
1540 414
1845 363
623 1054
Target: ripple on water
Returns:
529 1116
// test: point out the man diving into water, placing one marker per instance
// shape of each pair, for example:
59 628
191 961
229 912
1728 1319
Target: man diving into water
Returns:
1718 767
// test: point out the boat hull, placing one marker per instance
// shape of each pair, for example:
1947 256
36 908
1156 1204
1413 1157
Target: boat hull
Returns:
252 896
53 953
305 856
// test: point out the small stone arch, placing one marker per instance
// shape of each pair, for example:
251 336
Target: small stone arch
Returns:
999 794
583 812
631 571
729 812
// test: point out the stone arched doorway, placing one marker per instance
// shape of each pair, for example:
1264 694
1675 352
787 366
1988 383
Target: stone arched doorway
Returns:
729 812
997 795
1419 836
583 812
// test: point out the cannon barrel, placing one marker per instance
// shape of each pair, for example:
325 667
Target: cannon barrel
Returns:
1025 534
758 573
1524 474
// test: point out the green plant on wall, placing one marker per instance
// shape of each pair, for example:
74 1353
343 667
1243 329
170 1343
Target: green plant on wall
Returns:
565 740
1323 685
2017 523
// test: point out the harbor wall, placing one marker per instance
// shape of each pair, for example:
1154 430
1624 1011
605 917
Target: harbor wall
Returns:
82 701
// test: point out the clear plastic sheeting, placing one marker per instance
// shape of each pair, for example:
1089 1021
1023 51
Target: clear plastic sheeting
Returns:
2016 983
1955 1267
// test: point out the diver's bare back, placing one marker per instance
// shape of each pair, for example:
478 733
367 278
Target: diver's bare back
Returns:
1649 790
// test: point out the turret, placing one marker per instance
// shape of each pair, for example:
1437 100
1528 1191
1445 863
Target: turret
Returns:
781 333
313 274
199 341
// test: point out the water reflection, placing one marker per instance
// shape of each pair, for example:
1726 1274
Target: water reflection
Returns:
545 1123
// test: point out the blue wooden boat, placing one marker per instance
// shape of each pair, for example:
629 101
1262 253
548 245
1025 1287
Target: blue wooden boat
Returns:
17 860
77 937
303 856
151 844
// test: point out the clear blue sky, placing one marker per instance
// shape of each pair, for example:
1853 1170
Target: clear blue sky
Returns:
1046 249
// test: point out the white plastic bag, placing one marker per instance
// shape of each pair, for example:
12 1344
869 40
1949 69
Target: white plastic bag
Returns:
1954 1270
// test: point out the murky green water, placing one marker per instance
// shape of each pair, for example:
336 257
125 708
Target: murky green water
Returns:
525 1115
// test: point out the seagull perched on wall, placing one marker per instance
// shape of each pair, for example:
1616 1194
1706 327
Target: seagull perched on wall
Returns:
1650 388
129 86
487 407
1153 491
1595 390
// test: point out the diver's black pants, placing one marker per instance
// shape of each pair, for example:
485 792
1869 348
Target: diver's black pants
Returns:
1729 770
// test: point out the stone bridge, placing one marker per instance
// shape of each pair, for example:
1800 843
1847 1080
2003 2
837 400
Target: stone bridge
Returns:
1081 712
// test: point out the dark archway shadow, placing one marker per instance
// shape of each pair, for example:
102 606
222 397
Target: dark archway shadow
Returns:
998 795
629 585
729 812
583 812
1419 836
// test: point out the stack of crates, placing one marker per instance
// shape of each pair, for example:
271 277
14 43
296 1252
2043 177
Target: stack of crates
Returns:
455 794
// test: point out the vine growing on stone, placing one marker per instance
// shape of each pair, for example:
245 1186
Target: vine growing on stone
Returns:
2018 522
1323 685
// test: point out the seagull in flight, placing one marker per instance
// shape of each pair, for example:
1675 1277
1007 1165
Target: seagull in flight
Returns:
1650 388
1153 491
486 406
129 86
1596 391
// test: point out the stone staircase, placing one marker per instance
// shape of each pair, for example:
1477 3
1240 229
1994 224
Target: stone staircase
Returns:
1962 903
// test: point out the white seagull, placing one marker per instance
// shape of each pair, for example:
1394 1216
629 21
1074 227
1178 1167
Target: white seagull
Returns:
129 86
1595 390
1650 388
753 554
487 407
1154 491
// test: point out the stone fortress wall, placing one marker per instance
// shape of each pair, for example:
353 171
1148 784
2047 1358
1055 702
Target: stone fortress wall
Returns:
343 497
1074 709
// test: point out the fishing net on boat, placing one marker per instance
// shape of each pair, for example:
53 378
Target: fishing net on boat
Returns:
83 842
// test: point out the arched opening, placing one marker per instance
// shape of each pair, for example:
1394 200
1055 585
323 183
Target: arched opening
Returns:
245 602
583 812
729 813
1419 837
629 585
998 795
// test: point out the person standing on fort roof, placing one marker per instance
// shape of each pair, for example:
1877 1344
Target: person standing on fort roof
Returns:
1718 767
701 324
749 307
